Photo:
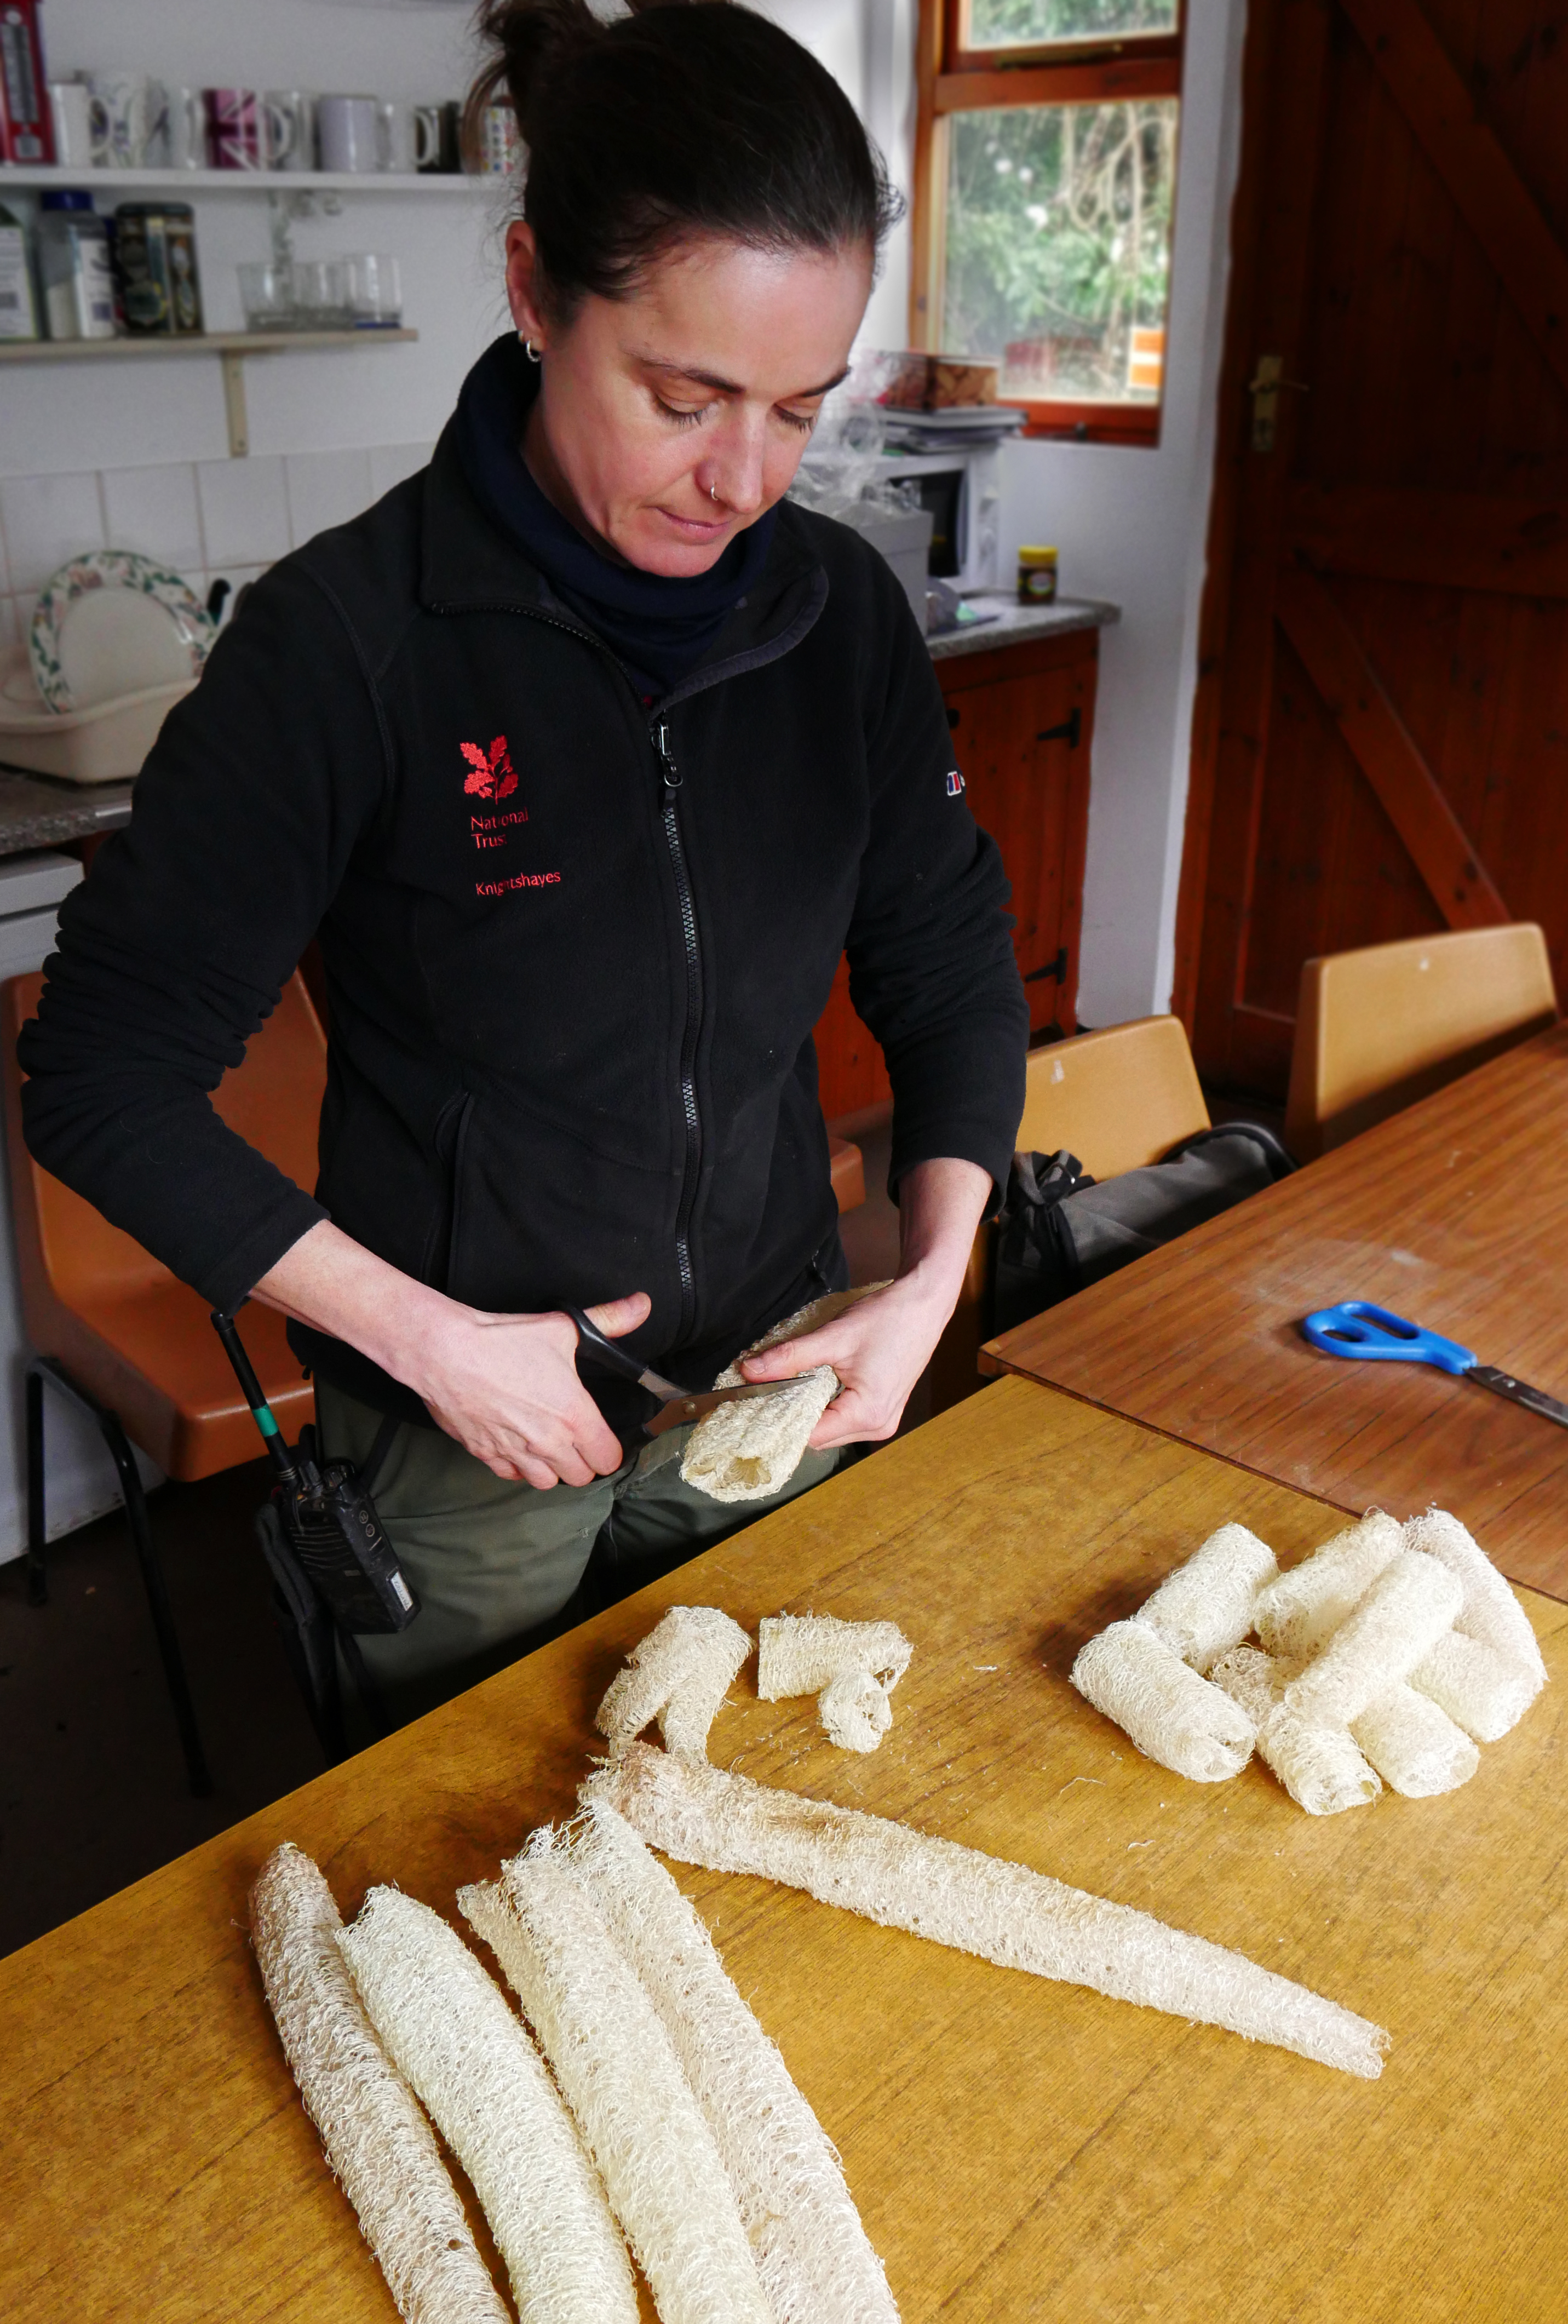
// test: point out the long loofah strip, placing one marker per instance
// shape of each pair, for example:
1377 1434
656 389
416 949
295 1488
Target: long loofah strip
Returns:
469 2058
979 1903
377 2142
680 1674
816 2262
1306 1605
612 2059
1173 1715
1206 1606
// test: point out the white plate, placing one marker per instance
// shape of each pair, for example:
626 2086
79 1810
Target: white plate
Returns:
114 623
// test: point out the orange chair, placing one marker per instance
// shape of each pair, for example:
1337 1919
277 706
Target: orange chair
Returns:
117 1335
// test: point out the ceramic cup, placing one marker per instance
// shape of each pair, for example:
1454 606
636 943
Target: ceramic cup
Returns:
499 145
70 102
396 135
436 139
289 119
184 130
128 113
234 129
348 130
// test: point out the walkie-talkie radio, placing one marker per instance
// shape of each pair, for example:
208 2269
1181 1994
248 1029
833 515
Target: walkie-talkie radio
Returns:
327 1519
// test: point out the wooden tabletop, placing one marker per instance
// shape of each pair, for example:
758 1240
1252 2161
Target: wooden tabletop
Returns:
1455 1213
1019 2149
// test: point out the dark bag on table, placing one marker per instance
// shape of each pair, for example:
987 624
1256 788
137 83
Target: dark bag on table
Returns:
1061 1230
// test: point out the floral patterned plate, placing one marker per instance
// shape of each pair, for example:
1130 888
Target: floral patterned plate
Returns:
112 623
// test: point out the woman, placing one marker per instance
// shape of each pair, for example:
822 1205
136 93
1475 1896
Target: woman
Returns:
585 757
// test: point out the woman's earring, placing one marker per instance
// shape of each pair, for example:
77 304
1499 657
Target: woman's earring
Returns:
529 349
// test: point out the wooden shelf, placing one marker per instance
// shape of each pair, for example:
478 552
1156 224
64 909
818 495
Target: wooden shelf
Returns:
231 347
247 181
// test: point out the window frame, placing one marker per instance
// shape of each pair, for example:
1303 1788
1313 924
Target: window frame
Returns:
950 79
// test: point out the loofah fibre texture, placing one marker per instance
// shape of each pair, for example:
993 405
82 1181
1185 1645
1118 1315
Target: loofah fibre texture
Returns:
452 2033
1415 1746
377 2142
1479 1689
1319 1765
624 2084
800 1653
745 1451
1305 1605
1409 1608
983 1904
679 1676
816 2262
854 1710
1173 1715
1490 1614
1206 1606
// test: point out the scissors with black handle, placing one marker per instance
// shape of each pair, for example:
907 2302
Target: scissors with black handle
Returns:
679 1404
1369 1335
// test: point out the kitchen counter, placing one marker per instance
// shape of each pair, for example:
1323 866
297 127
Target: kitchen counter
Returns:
1018 622
37 811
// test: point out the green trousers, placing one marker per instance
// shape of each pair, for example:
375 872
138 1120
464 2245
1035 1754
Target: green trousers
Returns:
496 1563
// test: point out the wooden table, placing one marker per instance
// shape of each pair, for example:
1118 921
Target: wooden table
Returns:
1455 1213
1019 2149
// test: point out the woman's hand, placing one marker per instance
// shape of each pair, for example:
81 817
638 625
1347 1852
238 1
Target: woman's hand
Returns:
880 1347
505 1387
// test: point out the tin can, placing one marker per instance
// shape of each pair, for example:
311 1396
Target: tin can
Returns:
184 275
155 258
1037 577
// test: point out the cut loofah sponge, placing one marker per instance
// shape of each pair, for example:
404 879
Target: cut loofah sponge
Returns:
747 1451
450 2030
377 2142
680 1674
1206 1606
1305 1605
852 1667
979 1903
1407 1609
816 2262
612 2059
1173 1715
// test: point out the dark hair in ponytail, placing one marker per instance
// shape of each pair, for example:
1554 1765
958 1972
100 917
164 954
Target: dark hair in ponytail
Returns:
687 117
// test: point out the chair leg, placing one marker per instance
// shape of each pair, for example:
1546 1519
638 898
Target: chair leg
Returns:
37 1515
142 1541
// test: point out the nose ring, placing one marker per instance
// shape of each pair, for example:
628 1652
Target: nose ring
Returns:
712 491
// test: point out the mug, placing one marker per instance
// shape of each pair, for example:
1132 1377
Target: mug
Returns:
234 129
70 102
127 119
184 130
436 139
289 120
396 135
348 128
500 142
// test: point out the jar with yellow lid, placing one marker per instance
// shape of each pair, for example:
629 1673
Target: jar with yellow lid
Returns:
1037 577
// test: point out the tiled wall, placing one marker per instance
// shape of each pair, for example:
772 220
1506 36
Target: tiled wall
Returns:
205 518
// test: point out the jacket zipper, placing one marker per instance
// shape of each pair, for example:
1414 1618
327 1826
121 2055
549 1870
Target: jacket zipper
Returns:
670 773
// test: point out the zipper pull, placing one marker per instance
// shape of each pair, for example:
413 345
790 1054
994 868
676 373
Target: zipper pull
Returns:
660 735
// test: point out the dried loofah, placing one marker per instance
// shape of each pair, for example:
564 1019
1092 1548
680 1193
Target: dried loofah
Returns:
1296 1614
1206 1606
745 1451
1415 1748
377 2142
1409 1608
1253 1679
854 1710
1319 1765
1478 1689
1492 1614
816 2262
852 1666
979 1903
679 1676
1173 1715
469 2058
612 2059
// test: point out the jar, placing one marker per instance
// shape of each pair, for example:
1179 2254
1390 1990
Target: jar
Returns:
18 309
1037 577
73 266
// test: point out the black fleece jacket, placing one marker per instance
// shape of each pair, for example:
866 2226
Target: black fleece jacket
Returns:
574 948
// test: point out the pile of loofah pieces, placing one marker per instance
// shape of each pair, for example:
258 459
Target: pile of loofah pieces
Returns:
682 1670
1386 1657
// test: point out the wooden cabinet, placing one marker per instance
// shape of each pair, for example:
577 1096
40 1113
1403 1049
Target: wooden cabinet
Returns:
1022 718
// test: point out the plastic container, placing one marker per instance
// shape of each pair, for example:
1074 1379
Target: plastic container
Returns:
73 266
18 307
1037 577
105 744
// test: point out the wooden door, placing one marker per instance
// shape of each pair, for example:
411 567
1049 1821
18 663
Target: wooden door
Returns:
1022 718
1381 735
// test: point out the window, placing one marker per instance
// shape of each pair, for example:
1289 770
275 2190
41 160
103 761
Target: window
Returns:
1045 189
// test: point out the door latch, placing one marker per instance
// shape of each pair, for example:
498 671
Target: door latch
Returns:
1264 388
1070 731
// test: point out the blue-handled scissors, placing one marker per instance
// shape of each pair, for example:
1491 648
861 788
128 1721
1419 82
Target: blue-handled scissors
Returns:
1370 1334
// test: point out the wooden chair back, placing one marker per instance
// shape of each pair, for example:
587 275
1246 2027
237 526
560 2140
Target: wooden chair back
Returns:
1377 1029
1117 1098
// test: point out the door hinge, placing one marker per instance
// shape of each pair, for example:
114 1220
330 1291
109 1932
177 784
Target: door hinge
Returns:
1056 968
1264 388
1070 731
